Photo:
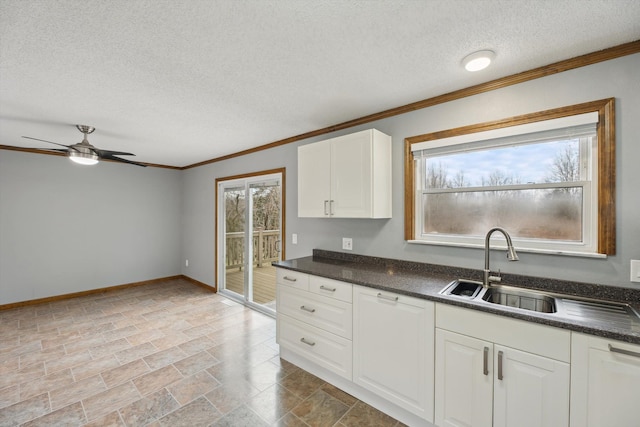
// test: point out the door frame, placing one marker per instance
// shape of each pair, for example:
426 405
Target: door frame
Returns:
282 172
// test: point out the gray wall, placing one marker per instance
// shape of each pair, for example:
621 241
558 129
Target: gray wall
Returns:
617 78
66 228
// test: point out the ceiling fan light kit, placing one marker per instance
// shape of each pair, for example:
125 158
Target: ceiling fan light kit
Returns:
83 156
84 153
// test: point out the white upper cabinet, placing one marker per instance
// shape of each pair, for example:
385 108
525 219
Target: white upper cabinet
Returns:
346 177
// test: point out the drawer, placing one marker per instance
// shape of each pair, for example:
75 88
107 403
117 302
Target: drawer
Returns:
322 312
321 347
292 278
331 288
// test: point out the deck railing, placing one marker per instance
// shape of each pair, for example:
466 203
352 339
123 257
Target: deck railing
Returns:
266 248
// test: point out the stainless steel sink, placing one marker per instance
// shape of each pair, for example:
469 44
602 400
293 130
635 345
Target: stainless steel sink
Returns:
570 307
520 298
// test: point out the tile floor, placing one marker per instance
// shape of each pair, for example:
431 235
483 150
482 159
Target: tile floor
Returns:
167 354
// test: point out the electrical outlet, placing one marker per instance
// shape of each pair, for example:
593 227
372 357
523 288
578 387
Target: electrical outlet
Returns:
294 239
186 263
347 243
635 270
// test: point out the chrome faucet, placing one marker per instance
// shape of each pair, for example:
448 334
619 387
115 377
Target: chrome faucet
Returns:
511 256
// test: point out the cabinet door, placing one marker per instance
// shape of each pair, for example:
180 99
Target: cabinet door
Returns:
351 176
463 381
393 348
529 390
605 383
314 176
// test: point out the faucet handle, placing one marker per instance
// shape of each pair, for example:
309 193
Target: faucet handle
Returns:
495 279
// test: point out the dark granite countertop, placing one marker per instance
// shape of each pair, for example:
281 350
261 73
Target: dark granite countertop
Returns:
427 280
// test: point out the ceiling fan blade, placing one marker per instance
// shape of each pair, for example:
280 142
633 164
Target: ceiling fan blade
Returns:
118 159
61 150
55 150
44 140
105 153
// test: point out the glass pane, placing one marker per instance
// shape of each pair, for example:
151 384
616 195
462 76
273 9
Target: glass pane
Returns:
555 161
266 241
234 208
551 214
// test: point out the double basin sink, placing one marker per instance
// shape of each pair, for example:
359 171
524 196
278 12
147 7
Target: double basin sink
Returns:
570 307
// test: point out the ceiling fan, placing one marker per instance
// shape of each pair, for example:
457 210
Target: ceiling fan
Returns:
85 153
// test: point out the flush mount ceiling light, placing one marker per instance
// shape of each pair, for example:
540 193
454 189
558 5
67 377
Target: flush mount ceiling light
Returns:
478 60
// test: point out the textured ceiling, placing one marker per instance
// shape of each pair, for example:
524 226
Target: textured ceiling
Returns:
183 81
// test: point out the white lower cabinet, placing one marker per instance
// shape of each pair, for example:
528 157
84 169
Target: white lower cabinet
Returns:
314 318
530 390
464 386
482 380
605 382
393 348
455 367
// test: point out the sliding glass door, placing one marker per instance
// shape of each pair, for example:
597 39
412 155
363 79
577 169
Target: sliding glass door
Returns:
249 238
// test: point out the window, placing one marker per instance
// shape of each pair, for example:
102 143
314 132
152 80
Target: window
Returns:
548 178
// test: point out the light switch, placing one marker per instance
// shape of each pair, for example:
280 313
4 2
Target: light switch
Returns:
635 270
294 239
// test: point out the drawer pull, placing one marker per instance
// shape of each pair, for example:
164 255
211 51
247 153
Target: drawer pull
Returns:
291 279
485 369
325 288
310 310
623 351
307 342
386 297
500 355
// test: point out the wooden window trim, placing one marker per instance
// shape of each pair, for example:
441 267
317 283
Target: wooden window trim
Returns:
606 162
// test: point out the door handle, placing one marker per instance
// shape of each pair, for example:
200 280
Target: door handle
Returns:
386 297
307 342
326 212
500 355
485 368
623 351
310 310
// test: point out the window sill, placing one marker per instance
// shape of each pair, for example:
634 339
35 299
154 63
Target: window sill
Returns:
518 248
